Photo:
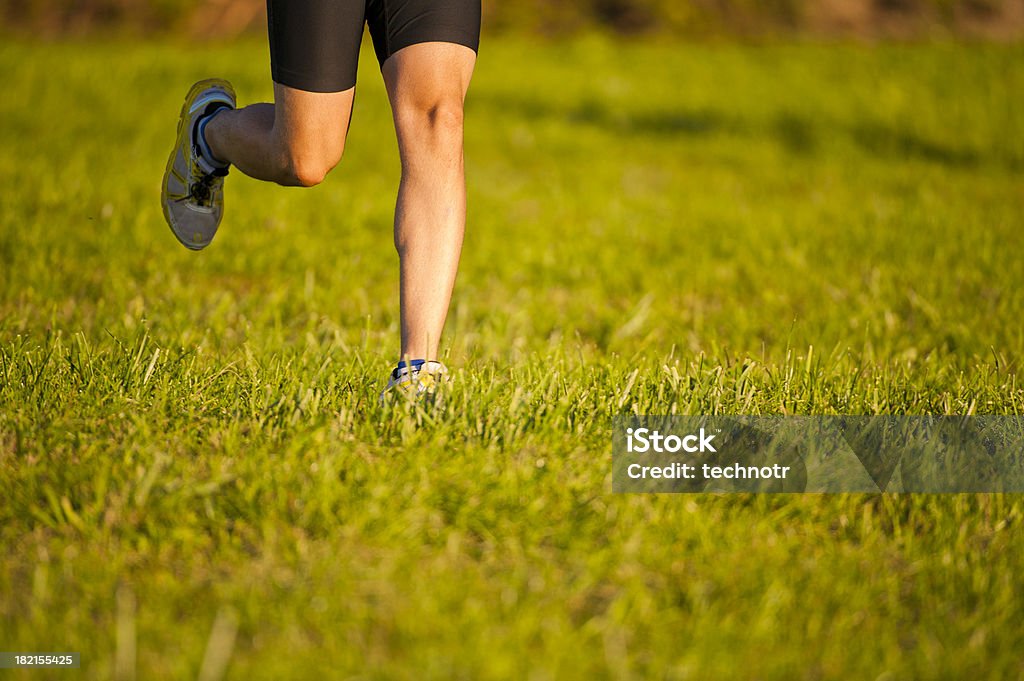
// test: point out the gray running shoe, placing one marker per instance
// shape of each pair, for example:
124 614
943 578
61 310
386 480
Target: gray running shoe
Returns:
193 190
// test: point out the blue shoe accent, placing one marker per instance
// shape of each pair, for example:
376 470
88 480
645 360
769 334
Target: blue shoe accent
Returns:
411 365
204 147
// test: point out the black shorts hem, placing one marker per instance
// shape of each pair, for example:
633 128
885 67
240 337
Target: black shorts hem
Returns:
314 44
309 82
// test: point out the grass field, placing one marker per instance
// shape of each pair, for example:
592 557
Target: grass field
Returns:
196 471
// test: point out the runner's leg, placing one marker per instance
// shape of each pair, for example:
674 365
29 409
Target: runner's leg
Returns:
314 52
295 141
427 85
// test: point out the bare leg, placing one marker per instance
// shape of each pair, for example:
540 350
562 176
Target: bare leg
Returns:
427 85
296 141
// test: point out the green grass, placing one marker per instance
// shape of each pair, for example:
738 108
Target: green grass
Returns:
806 229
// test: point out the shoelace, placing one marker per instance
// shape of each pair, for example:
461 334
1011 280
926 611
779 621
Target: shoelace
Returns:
201 190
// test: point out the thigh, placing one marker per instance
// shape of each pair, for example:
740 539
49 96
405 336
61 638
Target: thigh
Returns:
312 121
423 76
314 44
398 24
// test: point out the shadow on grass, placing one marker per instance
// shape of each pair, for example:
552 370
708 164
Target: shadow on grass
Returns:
800 135
599 114
888 142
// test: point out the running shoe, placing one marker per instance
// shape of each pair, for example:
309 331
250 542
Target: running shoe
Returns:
193 187
415 378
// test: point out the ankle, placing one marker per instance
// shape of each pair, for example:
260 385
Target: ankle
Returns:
206 151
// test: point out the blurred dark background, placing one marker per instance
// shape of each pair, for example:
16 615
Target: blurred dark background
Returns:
869 19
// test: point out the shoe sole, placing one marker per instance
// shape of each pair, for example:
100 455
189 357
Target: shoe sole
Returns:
182 116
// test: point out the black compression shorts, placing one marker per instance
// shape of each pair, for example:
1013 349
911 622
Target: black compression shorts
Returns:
314 44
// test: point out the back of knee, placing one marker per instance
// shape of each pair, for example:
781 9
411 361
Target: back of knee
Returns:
445 117
306 167
307 172
437 120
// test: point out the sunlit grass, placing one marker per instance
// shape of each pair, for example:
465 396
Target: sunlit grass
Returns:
653 228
